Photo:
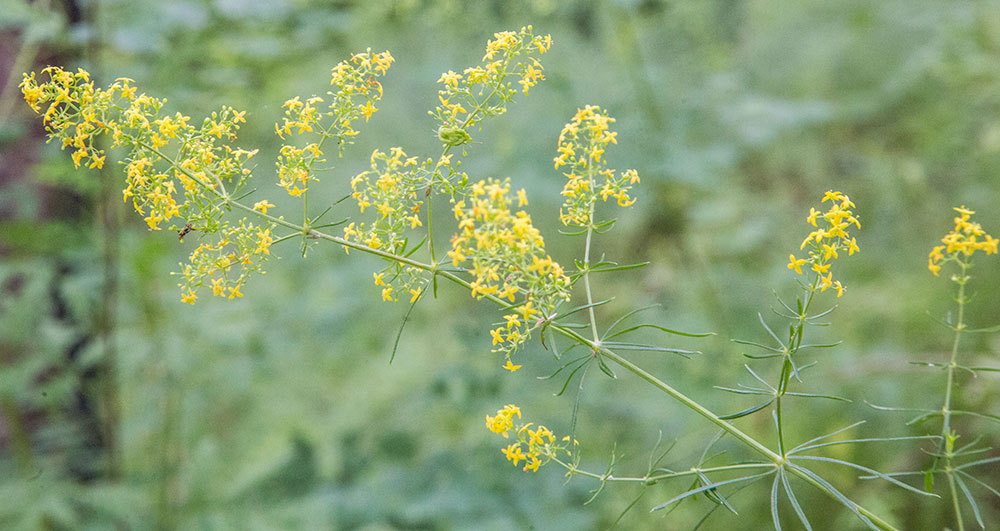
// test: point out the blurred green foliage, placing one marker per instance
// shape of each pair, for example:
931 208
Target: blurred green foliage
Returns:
281 410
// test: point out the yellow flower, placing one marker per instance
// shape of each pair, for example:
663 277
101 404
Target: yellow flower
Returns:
189 297
796 264
450 78
812 216
262 206
510 366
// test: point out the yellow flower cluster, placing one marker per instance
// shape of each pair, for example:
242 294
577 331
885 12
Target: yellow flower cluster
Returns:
826 243
581 148
966 238
508 260
201 163
184 191
245 246
295 167
357 90
465 98
534 446
77 112
392 191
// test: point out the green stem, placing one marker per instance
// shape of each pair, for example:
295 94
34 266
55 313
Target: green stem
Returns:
959 328
659 477
944 448
787 368
954 497
586 275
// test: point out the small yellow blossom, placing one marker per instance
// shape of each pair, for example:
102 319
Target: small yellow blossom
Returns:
965 239
511 367
796 263
262 206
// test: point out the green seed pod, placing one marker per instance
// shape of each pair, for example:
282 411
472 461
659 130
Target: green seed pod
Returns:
453 136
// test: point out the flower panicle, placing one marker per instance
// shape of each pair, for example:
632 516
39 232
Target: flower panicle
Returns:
829 241
508 261
183 193
357 90
961 242
534 445
581 148
466 98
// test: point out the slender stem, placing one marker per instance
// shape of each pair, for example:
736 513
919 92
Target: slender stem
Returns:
659 477
586 274
787 368
954 497
959 328
944 446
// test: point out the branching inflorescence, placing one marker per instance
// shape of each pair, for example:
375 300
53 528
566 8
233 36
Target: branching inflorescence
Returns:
188 177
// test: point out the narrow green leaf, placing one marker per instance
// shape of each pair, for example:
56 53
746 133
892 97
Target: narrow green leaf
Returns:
560 369
977 463
873 472
584 307
822 314
984 330
774 502
761 356
746 412
971 500
619 268
399 333
759 379
699 490
818 345
858 441
714 495
827 436
795 502
751 343
415 247
771 332
987 416
605 369
662 329
747 391
813 395
844 500
621 345
981 484
572 232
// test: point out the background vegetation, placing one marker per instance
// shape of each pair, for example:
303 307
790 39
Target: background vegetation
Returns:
123 407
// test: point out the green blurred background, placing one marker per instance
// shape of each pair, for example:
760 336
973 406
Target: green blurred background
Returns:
124 409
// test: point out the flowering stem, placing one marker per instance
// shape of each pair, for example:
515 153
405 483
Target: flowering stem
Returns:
594 344
586 274
944 446
959 328
787 368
